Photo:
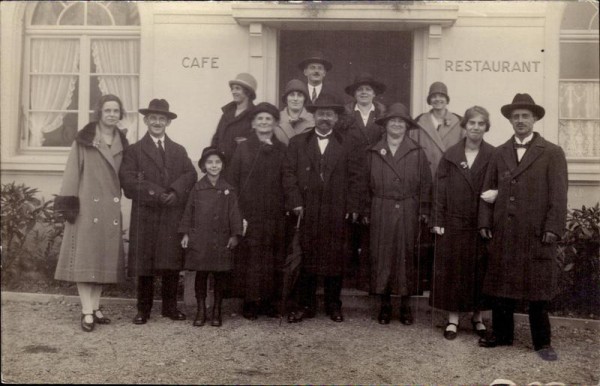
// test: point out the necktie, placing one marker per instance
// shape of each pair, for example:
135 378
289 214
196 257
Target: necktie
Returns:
161 150
314 95
521 146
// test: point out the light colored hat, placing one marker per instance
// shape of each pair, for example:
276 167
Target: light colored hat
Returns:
247 81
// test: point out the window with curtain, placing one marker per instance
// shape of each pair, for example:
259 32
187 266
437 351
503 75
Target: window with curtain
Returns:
75 52
579 101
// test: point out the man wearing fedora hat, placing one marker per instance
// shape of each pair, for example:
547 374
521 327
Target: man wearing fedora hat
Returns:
523 214
234 125
157 175
322 182
315 68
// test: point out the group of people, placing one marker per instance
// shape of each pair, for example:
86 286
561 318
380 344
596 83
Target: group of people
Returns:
338 179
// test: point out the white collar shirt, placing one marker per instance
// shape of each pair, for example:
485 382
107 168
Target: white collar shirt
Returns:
365 118
317 90
323 141
521 151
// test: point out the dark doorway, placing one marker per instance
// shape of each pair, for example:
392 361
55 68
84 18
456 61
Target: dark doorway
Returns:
387 55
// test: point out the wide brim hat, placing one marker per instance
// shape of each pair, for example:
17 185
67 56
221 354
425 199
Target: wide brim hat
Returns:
207 152
158 106
315 57
264 107
398 110
523 101
363 79
295 85
247 81
326 101
437 88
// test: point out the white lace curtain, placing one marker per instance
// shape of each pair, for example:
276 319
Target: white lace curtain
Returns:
119 57
579 124
51 91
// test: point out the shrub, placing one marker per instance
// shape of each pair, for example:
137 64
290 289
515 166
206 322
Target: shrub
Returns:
30 233
579 258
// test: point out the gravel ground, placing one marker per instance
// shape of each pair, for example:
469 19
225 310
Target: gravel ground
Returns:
43 343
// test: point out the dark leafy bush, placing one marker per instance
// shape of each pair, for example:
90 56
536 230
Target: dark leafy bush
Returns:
31 233
579 258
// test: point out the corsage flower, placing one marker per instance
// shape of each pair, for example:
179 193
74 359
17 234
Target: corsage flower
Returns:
383 152
226 192
464 164
96 143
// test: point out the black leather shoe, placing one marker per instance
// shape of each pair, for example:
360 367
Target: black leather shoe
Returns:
174 315
336 315
141 318
492 340
302 313
85 326
449 334
100 318
385 314
406 316
250 310
547 353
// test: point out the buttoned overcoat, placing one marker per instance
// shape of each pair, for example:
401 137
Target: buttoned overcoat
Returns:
231 129
154 244
328 186
210 218
399 191
370 133
459 264
92 247
532 199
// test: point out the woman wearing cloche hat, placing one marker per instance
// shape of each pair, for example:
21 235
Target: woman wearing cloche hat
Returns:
400 188
295 119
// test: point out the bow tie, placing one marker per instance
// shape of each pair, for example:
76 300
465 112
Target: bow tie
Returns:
521 146
324 136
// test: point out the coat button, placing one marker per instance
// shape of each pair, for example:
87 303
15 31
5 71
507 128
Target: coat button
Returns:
115 222
95 220
513 182
151 192
397 206
116 199
511 198
216 217
308 168
96 199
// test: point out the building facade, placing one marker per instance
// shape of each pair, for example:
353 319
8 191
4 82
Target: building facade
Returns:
57 58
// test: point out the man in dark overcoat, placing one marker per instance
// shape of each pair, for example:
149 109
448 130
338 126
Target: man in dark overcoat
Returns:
322 183
523 223
157 175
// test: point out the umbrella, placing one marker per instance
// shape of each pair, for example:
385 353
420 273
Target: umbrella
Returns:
291 267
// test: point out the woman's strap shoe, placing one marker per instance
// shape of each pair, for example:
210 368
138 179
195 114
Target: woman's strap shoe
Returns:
449 334
85 326
477 327
100 318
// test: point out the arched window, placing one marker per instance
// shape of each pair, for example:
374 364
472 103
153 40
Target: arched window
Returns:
75 52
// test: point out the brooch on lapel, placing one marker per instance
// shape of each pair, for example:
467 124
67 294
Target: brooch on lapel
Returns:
446 122
226 192
383 152
464 164
96 143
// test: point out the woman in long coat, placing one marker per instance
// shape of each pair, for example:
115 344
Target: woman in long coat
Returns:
91 253
294 118
459 264
400 189
255 172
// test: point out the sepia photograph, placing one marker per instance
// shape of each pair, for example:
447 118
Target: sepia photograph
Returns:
300 192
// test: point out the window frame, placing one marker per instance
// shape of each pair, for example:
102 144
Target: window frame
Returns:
85 34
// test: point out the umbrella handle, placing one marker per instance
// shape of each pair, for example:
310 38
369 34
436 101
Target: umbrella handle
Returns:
299 219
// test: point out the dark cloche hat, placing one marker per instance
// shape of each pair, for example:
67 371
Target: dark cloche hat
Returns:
523 101
398 110
158 106
315 57
265 107
326 101
362 79
295 85
207 152
437 88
